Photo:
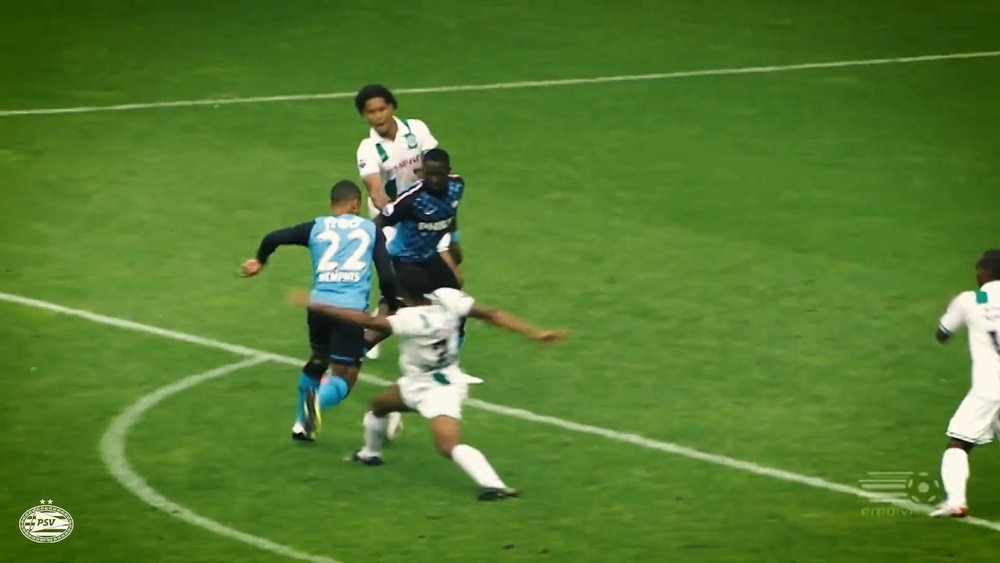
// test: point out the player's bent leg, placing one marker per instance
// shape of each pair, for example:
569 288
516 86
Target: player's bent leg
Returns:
447 432
334 388
390 400
375 423
971 424
346 349
955 476
306 416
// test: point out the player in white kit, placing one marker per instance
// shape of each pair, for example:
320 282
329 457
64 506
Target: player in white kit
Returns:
977 420
390 157
432 382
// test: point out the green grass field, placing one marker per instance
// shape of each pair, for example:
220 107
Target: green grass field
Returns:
751 265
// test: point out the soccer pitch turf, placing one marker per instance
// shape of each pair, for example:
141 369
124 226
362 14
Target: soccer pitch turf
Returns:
751 259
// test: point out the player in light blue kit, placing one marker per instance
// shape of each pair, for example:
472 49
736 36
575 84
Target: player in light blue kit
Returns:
345 248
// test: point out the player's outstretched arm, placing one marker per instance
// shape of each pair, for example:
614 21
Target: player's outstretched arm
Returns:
503 319
361 318
352 316
297 235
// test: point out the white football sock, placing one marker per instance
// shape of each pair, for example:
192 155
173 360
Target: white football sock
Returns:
474 463
955 474
374 435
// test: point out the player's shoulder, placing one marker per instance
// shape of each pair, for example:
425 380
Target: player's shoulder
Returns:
964 300
403 200
452 299
406 313
456 184
346 221
366 144
415 123
365 223
965 297
410 193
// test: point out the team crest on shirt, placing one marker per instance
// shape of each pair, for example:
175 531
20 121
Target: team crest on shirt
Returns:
411 140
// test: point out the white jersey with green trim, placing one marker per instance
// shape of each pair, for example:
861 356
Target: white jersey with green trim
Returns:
428 336
396 160
979 312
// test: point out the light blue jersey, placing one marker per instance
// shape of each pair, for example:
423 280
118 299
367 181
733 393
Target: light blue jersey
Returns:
342 249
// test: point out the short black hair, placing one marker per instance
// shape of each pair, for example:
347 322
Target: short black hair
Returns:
371 91
413 281
344 190
438 155
991 263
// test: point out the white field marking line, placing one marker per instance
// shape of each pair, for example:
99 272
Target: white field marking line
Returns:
624 437
509 85
113 454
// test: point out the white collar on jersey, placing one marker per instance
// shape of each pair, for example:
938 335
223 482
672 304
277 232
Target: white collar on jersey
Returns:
401 128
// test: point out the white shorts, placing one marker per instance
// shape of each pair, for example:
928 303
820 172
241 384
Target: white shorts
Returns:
976 421
431 398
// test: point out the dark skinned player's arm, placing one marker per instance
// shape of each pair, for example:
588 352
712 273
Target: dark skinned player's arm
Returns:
383 267
455 249
502 319
297 235
386 284
352 316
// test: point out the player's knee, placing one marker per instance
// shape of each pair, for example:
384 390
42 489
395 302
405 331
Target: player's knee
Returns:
445 448
960 444
314 367
379 408
445 436
349 373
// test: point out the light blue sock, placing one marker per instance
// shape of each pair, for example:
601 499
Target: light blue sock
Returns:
305 383
332 391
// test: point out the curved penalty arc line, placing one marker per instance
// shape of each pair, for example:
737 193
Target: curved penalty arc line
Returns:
113 455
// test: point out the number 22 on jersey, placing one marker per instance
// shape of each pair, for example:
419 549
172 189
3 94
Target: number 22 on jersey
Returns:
328 268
